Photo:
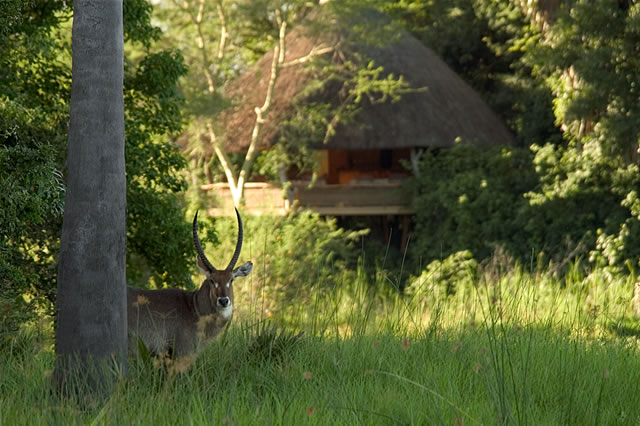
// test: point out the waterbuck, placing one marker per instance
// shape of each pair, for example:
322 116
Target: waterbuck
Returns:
175 323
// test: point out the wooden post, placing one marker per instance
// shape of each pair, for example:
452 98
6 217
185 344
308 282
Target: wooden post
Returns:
405 232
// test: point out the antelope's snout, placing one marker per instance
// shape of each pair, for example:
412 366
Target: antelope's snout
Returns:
221 292
223 301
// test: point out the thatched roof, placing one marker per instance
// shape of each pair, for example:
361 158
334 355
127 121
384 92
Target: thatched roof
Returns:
436 117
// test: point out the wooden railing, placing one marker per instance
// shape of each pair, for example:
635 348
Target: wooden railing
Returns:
353 199
260 198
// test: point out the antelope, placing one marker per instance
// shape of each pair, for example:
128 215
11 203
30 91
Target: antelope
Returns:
177 323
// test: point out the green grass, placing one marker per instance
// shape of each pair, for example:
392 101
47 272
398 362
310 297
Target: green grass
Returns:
515 348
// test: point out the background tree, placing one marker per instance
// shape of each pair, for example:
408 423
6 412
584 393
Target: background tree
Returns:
223 39
563 75
588 56
91 304
219 39
35 75
484 41
33 124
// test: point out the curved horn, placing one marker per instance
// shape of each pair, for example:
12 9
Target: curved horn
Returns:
196 243
236 254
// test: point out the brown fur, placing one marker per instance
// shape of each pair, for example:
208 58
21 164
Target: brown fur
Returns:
178 323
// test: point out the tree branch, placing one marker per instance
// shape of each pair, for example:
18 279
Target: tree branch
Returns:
276 63
336 118
197 22
224 33
222 157
315 51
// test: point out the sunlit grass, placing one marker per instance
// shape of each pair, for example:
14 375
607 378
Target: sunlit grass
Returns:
516 347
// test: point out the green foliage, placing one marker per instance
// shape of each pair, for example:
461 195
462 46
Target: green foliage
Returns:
270 343
32 197
573 203
621 248
158 237
35 78
441 277
372 82
524 348
588 184
471 198
32 183
136 16
314 247
159 242
294 255
151 93
29 16
484 41
589 58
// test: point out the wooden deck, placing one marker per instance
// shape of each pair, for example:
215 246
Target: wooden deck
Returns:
260 199
353 199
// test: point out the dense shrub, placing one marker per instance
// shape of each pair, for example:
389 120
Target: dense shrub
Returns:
581 197
622 246
440 278
293 255
561 202
35 81
31 198
471 198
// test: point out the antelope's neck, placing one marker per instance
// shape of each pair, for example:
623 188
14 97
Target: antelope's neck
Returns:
202 302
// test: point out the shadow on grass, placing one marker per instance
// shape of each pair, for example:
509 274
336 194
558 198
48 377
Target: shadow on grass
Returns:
625 330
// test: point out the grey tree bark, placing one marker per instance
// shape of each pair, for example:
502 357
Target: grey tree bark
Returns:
91 341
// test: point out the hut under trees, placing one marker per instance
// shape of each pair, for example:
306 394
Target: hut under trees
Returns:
362 163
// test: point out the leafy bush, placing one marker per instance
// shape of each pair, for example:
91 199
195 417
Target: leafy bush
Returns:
34 112
581 196
441 277
471 198
293 255
158 236
31 198
561 202
622 247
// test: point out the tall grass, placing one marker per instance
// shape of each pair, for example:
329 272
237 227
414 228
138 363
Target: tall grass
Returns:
508 347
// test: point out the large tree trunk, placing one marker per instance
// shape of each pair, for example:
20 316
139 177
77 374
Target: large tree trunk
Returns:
91 343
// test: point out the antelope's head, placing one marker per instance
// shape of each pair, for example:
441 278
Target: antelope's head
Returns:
219 283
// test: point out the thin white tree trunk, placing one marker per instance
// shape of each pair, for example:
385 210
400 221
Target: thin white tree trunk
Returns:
237 179
276 64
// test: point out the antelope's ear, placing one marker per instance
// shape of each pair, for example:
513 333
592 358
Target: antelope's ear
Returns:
243 270
202 266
